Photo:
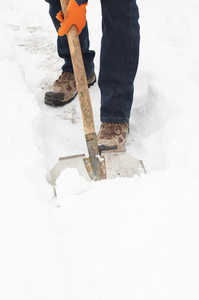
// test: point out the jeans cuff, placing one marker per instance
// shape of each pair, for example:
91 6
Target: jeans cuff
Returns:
114 120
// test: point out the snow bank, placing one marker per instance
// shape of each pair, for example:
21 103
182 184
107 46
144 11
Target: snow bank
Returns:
28 249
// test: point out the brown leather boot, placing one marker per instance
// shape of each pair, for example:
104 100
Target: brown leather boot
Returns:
112 136
64 89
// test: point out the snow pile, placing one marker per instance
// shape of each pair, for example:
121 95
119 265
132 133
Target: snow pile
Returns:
116 239
136 241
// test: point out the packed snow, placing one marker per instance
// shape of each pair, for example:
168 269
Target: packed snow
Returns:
127 238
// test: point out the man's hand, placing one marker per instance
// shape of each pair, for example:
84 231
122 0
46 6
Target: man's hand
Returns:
75 15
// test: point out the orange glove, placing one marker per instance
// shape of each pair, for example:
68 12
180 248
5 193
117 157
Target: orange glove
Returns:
75 15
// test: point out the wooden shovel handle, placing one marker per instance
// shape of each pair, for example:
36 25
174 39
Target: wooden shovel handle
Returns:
80 75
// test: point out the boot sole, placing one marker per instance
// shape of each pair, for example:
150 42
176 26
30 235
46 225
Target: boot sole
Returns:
50 100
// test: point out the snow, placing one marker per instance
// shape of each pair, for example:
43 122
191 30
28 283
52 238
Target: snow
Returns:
130 238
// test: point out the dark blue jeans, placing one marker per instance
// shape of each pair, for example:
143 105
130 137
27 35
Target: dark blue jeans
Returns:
119 55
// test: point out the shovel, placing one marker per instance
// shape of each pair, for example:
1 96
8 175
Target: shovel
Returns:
110 164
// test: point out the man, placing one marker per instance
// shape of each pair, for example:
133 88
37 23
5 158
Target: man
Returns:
118 63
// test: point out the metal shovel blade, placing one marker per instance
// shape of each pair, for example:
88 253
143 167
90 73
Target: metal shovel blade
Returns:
121 164
113 164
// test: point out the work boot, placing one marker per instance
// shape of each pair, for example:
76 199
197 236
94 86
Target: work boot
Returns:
64 89
112 136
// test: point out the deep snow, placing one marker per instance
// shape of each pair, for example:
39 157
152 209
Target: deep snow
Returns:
120 239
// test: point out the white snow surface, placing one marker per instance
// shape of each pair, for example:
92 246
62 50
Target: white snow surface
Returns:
130 238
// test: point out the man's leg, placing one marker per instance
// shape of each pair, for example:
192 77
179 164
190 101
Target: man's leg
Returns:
64 89
119 58
62 42
118 67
